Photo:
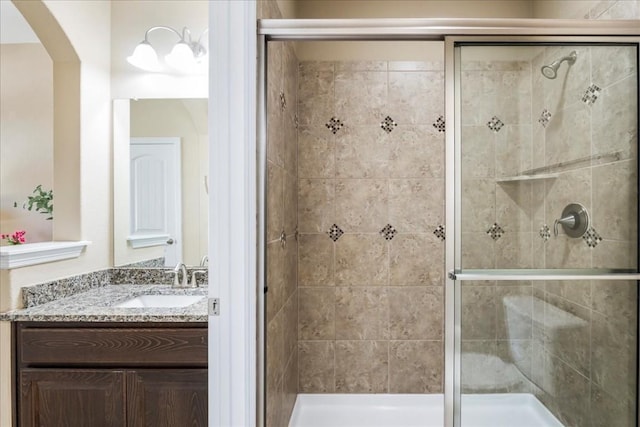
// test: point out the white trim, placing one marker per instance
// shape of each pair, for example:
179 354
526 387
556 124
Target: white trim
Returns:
146 241
155 140
262 232
437 28
232 210
39 253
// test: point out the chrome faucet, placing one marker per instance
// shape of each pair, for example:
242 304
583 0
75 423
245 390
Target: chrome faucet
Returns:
194 280
180 269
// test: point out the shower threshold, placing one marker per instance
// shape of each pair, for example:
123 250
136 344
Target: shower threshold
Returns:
418 410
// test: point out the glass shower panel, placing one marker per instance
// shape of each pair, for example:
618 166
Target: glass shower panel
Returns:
543 354
547 184
548 157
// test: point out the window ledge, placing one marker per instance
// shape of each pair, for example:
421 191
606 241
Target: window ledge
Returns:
39 253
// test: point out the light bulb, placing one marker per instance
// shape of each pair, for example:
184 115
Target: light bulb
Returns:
181 58
144 57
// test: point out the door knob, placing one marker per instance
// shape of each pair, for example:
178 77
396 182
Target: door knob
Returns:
170 241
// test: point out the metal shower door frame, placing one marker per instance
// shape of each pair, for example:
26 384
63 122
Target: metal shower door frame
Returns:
455 273
451 32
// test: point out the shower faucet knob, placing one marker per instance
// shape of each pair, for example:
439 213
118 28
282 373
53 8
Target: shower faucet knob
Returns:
574 220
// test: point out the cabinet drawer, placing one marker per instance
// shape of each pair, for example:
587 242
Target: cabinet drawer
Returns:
112 347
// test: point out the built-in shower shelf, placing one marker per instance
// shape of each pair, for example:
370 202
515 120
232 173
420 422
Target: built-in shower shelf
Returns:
527 177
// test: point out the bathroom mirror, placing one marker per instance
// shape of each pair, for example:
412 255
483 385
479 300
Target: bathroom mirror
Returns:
160 194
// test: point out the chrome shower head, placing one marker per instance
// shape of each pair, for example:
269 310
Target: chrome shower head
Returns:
551 71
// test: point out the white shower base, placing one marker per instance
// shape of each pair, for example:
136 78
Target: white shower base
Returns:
418 410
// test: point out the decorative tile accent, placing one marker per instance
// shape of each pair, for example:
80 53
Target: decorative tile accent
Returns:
335 232
495 124
495 231
545 232
388 232
545 117
439 124
334 125
592 237
440 232
388 124
283 101
591 94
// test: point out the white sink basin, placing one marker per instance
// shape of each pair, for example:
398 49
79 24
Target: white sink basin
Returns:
160 301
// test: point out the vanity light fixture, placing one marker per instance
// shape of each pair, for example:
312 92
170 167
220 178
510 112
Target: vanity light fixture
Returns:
187 55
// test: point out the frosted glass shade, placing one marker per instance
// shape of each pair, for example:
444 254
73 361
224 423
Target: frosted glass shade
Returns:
181 58
145 57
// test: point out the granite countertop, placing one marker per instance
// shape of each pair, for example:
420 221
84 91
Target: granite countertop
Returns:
96 305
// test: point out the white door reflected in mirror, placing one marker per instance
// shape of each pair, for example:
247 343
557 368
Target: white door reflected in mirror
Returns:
155 194
160 119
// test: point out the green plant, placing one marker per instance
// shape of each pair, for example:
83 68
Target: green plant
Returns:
40 201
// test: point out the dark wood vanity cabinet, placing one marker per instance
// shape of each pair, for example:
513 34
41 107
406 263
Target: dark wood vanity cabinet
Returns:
71 397
135 375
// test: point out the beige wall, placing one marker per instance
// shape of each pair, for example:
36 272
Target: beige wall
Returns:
26 136
562 9
413 9
586 9
87 130
287 9
130 20
591 9
89 168
395 51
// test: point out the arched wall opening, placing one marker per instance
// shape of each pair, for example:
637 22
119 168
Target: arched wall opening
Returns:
66 117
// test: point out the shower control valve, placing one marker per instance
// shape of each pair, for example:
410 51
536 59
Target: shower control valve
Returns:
574 221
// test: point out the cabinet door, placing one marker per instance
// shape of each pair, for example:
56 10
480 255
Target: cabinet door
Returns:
167 397
71 398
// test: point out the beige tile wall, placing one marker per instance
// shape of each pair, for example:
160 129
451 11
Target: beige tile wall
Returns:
500 89
596 363
281 200
585 374
370 309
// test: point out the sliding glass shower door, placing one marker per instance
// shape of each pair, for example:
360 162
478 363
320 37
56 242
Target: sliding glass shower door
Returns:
546 139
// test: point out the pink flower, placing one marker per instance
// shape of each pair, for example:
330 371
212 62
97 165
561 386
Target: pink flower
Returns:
16 238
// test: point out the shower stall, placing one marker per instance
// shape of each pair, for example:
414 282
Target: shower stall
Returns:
448 238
